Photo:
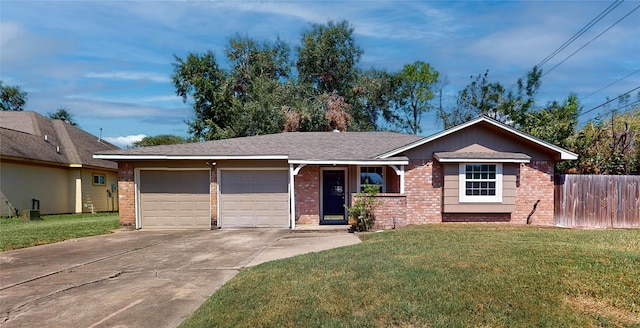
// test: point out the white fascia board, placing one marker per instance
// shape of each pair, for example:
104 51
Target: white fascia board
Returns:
348 162
564 154
482 160
179 157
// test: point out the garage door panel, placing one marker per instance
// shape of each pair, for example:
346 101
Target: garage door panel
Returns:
175 199
257 198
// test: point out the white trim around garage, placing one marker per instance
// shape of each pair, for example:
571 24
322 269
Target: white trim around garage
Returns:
136 185
276 168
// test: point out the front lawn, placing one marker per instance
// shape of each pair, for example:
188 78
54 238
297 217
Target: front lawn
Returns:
443 276
16 233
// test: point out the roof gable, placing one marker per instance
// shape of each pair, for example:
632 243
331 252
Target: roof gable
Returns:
33 137
563 154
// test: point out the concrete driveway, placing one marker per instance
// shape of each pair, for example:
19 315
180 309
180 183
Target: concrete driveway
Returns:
137 278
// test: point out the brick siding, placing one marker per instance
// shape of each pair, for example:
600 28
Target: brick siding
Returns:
126 196
423 187
391 211
535 182
307 194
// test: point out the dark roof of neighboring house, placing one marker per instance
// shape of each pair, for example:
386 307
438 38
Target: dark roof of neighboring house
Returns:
31 136
293 145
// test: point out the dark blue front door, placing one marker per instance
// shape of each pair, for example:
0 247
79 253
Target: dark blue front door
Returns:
333 197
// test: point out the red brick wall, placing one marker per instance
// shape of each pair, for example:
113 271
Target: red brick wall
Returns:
307 194
391 211
126 195
535 182
423 188
480 217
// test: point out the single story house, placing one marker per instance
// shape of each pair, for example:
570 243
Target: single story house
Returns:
48 165
482 170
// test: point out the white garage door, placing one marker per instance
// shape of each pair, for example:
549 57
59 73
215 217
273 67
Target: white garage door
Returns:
254 198
175 199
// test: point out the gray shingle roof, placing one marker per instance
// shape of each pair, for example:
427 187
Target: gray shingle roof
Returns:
22 136
294 145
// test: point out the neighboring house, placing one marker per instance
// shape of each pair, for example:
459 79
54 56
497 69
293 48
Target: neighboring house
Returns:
482 170
51 162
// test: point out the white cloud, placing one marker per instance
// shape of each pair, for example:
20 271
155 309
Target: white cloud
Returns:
21 46
124 141
128 75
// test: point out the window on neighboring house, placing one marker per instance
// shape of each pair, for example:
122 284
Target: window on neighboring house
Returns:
372 175
480 183
99 179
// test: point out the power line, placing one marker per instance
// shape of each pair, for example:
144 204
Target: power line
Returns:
608 101
596 37
584 29
610 84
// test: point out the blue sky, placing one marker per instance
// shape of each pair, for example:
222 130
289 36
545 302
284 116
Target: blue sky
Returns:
110 62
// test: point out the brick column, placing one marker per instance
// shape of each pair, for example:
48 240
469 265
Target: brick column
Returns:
126 195
535 183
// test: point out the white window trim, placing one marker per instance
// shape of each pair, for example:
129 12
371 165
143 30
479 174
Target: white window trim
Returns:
384 178
104 178
463 198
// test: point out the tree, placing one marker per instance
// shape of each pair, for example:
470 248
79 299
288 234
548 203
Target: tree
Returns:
12 98
376 96
162 139
555 123
64 115
251 60
200 78
328 58
416 90
481 97
608 146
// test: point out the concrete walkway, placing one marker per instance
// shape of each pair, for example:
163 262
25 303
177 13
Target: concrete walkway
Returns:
137 278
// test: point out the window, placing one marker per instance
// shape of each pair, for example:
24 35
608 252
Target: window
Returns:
99 179
480 183
372 175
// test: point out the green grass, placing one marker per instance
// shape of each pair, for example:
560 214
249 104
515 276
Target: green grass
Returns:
443 276
17 233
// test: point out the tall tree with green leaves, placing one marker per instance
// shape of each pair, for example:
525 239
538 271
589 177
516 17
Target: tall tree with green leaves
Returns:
161 139
259 75
417 90
377 96
327 59
64 115
555 123
492 99
198 77
12 98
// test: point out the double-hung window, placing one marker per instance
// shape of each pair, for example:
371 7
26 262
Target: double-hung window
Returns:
371 175
480 183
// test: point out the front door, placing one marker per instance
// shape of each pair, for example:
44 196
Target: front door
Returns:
333 197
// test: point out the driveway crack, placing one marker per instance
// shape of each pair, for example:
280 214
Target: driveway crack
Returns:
76 266
26 305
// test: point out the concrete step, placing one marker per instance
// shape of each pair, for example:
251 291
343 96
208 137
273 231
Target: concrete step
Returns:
322 228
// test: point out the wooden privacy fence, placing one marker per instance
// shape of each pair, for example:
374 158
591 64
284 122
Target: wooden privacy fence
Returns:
597 201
